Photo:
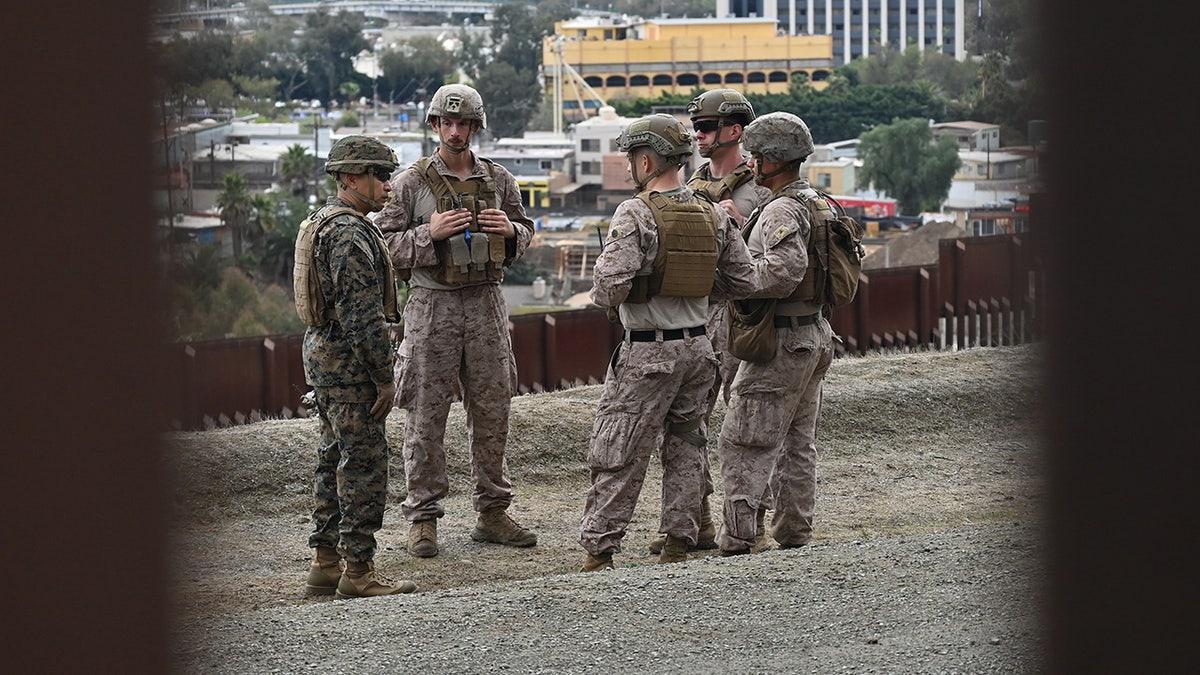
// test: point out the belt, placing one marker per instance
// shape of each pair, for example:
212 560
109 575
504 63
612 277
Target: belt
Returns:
671 334
795 321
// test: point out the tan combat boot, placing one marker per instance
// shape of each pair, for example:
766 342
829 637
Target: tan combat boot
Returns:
595 563
495 526
674 550
762 540
324 572
362 580
422 538
706 539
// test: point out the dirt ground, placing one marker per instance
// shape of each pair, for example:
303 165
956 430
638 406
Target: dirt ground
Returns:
908 443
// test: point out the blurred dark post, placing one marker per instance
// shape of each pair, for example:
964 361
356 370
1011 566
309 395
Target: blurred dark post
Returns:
86 486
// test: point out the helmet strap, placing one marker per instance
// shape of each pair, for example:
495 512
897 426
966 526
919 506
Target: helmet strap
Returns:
371 203
768 176
717 144
466 146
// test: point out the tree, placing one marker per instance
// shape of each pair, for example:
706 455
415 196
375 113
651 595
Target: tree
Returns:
421 62
349 92
903 160
328 47
510 98
295 168
235 205
261 222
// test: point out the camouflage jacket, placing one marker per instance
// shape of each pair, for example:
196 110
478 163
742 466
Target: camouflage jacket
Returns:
354 352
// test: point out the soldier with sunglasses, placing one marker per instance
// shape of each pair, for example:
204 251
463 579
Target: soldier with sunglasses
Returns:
718 118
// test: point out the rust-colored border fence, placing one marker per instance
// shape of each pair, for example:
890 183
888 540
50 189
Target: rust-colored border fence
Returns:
984 291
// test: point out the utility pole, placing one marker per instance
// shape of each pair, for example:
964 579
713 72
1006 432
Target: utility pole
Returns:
316 154
170 187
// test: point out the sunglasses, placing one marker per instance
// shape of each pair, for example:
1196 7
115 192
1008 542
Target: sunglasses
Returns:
706 126
381 174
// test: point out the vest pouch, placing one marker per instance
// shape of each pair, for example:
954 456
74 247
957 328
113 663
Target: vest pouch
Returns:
689 274
752 329
480 247
460 253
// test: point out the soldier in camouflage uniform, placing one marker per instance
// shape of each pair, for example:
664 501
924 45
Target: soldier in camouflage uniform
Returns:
718 117
348 361
453 223
768 438
656 388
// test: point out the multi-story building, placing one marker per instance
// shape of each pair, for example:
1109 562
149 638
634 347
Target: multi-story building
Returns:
592 60
859 27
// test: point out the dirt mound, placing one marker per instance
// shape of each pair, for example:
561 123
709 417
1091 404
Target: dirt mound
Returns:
916 247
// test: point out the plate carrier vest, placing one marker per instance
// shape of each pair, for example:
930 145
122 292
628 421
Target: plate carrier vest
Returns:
719 189
306 281
473 256
687 249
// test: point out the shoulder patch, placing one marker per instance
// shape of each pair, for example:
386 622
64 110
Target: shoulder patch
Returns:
614 232
780 234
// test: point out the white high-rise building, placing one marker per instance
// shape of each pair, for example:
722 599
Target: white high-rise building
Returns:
858 26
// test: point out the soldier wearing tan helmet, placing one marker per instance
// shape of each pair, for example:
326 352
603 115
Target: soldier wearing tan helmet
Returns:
454 222
346 293
719 117
666 250
768 438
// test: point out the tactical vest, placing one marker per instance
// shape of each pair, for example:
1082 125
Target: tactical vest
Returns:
834 248
306 280
719 189
687 249
473 256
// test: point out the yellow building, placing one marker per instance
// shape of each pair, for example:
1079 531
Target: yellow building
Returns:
593 60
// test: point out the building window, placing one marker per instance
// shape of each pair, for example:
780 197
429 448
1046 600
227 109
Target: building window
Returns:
824 179
589 145
589 168
545 165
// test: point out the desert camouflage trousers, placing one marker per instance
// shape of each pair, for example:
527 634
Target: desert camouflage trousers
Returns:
649 385
351 479
718 333
768 439
456 343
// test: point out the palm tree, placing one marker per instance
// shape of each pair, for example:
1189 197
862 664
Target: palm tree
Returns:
296 167
262 221
235 204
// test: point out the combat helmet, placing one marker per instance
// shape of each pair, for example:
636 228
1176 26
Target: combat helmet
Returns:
721 103
662 132
459 101
779 137
357 154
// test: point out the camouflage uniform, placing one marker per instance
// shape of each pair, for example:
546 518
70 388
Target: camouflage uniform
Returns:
746 197
772 416
652 384
456 340
344 360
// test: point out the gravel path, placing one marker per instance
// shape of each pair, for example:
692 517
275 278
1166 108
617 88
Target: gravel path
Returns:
962 601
